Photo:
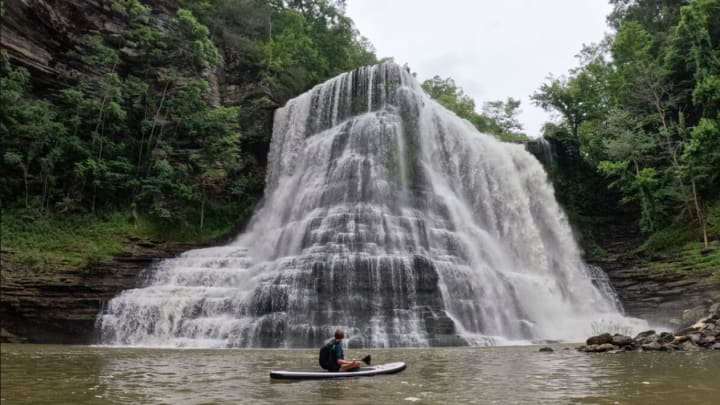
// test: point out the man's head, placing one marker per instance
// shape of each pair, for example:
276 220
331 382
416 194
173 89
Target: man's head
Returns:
339 334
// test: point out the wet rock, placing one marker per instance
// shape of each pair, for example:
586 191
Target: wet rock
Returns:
688 346
646 337
680 339
547 349
665 337
606 347
601 348
622 341
653 347
645 334
704 334
690 316
599 339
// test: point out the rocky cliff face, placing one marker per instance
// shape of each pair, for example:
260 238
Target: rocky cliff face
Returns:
43 35
47 305
672 288
660 290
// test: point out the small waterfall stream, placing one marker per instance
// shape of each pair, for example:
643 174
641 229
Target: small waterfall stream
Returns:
389 216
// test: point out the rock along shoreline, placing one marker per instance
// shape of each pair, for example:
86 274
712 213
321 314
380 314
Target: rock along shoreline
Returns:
702 335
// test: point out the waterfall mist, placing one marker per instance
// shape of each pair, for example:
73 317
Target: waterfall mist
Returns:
389 216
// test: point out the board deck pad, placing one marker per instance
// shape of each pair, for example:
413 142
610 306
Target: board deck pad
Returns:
389 368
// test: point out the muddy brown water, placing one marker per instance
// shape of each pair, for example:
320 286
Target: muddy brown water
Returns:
46 374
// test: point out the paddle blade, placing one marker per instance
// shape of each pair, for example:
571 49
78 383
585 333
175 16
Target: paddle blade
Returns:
367 359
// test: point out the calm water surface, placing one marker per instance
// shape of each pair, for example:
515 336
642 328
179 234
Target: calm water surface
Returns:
38 374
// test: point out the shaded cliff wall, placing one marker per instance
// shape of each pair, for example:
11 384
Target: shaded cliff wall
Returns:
49 305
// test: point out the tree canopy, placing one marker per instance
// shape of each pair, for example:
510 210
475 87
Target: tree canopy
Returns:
498 118
147 129
643 108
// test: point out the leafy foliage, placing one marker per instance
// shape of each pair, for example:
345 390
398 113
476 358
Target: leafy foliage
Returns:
147 129
643 109
499 118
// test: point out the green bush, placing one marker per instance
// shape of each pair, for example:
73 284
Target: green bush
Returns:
672 238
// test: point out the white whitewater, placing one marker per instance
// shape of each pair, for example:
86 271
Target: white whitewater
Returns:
389 216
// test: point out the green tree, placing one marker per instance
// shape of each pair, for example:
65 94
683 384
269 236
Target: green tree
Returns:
641 116
504 114
499 117
32 136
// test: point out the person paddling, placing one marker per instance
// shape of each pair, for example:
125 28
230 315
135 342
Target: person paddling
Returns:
339 355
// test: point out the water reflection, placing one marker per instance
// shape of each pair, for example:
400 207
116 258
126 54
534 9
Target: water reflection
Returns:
492 375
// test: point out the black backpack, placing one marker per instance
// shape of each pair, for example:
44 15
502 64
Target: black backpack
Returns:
327 358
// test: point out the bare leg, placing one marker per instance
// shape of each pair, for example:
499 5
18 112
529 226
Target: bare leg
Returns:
349 365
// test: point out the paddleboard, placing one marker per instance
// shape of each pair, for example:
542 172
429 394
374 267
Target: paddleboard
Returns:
389 368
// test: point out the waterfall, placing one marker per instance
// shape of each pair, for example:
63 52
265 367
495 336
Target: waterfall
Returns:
542 150
389 216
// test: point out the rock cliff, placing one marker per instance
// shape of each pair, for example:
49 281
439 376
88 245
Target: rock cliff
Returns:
47 305
43 35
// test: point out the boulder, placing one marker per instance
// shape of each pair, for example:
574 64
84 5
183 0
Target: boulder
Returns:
607 347
707 341
622 341
654 347
666 337
680 339
645 334
688 346
646 337
598 348
547 349
703 334
599 339
692 315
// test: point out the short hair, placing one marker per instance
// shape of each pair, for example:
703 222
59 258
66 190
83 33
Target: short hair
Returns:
339 334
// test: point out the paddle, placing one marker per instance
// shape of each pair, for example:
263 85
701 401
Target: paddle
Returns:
366 359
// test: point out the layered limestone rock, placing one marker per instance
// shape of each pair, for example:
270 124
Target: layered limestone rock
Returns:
44 36
47 305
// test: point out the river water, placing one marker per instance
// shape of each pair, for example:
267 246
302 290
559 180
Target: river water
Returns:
40 374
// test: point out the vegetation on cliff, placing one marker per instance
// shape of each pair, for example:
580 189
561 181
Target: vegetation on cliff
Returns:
144 133
640 117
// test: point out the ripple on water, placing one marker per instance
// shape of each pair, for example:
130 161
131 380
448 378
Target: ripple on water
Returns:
36 374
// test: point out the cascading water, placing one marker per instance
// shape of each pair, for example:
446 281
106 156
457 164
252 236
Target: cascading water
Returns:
384 214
